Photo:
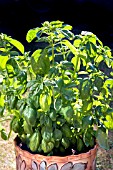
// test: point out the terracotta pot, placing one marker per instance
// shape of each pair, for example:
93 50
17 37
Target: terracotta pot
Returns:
28 161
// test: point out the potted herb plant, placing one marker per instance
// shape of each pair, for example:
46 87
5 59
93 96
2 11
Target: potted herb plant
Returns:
58 97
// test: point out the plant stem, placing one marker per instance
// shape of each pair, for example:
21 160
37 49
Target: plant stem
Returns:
4 120
64 57
52 45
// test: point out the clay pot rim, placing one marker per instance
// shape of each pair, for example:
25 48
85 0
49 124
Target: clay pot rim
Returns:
58 158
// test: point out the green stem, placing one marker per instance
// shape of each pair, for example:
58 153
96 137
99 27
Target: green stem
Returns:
52 45
75 68
4 120
64 57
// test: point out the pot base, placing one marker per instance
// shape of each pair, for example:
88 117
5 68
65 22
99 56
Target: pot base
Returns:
28 161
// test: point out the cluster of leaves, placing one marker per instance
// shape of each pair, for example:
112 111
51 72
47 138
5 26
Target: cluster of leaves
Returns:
57 97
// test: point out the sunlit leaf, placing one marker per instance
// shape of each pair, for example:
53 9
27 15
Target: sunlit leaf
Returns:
68 34
31 34
12 67
109 122
77 42
76 61
3 60
16 43
70 46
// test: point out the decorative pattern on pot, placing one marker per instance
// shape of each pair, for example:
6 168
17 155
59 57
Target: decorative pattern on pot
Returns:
21 165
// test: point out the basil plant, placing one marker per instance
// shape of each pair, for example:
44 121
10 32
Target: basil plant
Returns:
58 97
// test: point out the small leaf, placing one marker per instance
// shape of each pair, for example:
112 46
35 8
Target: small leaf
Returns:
3 134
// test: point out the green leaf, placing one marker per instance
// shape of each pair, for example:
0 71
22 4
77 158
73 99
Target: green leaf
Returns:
76 61
77 42
70 46
1 105
68 113
56 24
85 88
68 34
1 127
88 139
1 111
67 27
16 43
109 122
86 121
3 134
80 144
57 134
68 94
109 82
102 139
1 100
12 67
22 77
58 104
108 62
3 60
60 83
45 102
99 58
40 62
31 34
